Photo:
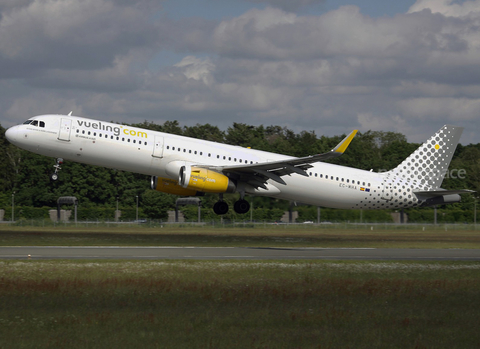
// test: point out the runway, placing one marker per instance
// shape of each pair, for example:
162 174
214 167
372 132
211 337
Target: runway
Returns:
240 253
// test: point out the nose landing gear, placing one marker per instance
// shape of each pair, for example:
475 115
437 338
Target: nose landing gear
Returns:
58 167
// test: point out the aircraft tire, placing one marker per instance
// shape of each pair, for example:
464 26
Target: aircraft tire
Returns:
241 206
220 207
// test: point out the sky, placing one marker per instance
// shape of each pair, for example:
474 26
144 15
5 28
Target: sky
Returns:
407 66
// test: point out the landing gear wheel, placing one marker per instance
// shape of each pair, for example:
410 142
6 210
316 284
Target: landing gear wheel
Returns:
220 207
241 206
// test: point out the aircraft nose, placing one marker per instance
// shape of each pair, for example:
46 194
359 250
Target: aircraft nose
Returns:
11 134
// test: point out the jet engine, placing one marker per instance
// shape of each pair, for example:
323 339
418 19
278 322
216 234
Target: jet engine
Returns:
171 186
205 180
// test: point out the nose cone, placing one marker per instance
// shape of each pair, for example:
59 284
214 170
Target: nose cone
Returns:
12 134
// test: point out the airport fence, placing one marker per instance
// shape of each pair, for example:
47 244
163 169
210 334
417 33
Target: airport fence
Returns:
159 224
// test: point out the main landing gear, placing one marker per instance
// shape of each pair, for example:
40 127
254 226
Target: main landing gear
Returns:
221 207
58 167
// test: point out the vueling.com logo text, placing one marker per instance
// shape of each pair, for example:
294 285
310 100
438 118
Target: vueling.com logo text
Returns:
116 130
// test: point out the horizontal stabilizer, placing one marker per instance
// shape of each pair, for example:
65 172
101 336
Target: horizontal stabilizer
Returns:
434 193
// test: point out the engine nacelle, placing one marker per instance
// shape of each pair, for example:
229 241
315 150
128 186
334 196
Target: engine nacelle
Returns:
171 186
205 180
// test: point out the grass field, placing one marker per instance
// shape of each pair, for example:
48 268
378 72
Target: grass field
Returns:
204 304
239 304
269 236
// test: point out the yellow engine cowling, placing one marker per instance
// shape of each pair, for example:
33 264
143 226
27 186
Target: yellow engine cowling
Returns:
205 180
171 186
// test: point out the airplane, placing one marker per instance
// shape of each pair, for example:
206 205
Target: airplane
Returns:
192 167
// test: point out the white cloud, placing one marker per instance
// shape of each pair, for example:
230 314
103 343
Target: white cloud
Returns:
330 73
197 69
289 5
447 7
70 34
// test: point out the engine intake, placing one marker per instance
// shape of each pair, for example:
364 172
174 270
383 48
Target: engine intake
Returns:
205 180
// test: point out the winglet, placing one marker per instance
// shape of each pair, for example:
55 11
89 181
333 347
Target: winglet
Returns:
342 146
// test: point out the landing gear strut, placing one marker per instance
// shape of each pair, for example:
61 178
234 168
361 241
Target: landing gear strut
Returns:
58 167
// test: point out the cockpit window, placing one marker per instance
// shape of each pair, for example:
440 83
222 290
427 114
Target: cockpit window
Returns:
35 123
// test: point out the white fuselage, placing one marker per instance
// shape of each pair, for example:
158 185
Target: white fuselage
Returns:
158 154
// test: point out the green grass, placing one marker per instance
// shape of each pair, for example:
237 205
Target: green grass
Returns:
270 236
206 304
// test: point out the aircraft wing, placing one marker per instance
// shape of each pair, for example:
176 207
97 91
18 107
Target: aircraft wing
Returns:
257 174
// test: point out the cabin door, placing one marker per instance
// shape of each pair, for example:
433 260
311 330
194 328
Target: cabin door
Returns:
158 147
65 128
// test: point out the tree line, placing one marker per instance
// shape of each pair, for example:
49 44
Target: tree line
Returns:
99 190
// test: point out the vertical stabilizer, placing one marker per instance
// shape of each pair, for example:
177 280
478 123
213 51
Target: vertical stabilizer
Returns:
425 168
